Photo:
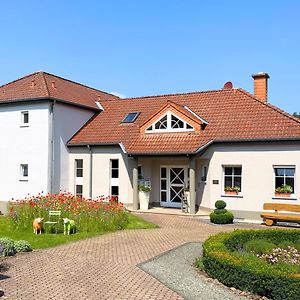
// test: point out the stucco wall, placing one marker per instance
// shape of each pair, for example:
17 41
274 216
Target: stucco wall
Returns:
23 145
67 121
257 163
101 171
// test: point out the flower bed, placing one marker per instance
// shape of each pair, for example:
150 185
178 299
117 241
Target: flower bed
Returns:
98 215
224 259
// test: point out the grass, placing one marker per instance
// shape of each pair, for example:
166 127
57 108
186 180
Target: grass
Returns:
47 240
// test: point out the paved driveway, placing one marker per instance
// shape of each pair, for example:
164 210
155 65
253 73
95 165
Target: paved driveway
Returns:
103 267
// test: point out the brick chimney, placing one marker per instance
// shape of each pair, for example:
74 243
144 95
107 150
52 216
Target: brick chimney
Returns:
261 86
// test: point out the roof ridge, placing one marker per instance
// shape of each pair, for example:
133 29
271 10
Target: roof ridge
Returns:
286 114
178 94
26 76
83 85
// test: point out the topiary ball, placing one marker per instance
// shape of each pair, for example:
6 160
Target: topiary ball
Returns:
225 218
22 246
220 204
7 246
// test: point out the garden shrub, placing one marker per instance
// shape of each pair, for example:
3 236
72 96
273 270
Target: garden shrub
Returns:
221 215
7 246
220 204
222 260
98 215
22 246
258 246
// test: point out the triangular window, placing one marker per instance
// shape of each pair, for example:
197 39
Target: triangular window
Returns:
169 123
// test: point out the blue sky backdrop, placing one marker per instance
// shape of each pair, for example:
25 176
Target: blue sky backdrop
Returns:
151 47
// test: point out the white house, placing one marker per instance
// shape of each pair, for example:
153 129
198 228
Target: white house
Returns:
92 143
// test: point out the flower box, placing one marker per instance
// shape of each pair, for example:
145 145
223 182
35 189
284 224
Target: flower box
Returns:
232 193
284 195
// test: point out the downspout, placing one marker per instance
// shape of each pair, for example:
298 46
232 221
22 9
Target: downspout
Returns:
51 148
91 173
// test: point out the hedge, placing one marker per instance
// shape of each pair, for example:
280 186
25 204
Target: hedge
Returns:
223 261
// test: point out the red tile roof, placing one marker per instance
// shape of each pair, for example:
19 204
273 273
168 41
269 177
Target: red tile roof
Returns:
232 115
42 85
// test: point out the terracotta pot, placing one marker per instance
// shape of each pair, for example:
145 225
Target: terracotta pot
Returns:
231 192
285 195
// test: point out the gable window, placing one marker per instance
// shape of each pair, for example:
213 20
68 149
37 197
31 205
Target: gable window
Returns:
24 118
233 178
24 172
168 123
285 175
130 117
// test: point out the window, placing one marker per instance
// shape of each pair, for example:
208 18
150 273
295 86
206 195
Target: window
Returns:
130 117
285 175
79 167
114 168
233 177
169 122
204 173
24 171
24 118
78 191
140 172
114 177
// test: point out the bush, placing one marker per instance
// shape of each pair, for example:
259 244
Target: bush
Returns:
7 247
221 218
258 246
22 246
221 260
220 204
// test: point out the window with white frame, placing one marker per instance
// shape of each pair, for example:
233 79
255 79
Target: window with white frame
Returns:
233 178
79 167
78 190
24 171
168 123
24 118
114 177
78 177
284 175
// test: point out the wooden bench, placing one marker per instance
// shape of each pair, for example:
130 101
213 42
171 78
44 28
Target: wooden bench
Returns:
271 218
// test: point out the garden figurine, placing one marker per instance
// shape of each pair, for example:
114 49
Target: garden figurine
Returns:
37 225
69 226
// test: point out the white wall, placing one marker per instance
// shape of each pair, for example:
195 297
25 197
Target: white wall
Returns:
67 121
23 145
101 171
257 163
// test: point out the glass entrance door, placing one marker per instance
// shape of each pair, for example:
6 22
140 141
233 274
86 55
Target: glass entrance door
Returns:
172 183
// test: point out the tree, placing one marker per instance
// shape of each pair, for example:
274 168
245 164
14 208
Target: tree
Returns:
297 115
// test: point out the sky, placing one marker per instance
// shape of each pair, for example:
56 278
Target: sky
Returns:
153 47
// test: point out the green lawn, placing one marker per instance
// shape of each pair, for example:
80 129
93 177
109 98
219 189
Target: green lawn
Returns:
46 240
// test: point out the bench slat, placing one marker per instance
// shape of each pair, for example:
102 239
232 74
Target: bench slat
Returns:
282 207
281 217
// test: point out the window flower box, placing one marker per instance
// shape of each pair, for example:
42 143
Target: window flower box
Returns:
284 191
232 190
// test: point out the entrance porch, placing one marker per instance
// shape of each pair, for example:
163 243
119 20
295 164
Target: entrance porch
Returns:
169 178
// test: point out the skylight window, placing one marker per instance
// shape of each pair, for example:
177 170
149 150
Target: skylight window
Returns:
130 117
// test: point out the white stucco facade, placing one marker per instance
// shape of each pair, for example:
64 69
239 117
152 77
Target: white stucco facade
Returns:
24 144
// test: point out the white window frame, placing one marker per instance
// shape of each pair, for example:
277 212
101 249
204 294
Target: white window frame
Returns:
223 179
23 113
116 180
22 171
79 194
293 195
169 125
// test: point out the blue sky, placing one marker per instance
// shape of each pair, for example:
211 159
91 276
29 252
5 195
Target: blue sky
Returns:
140 48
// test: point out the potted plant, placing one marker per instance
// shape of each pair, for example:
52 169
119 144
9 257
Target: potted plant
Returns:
232 190
284 191
144 196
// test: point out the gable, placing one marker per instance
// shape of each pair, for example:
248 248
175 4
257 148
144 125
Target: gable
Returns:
171 118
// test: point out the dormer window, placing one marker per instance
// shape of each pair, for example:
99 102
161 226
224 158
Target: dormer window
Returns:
169 123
